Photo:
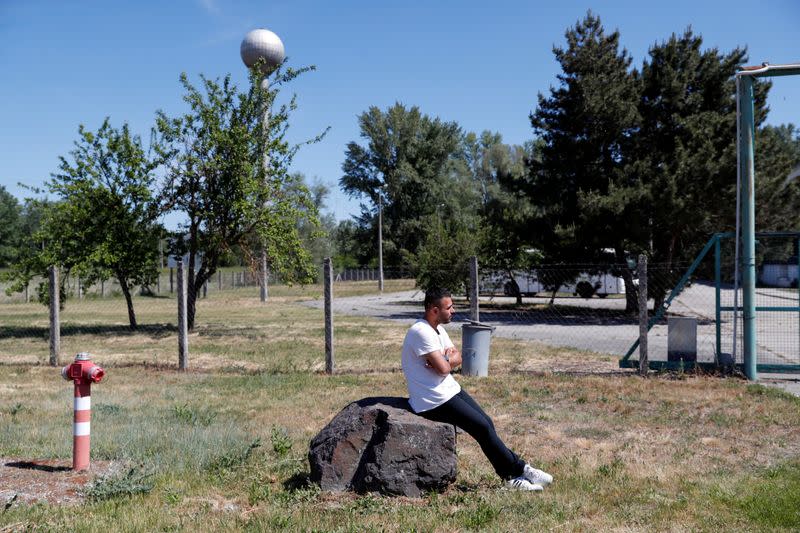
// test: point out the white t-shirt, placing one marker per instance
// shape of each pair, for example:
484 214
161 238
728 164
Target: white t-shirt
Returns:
426 388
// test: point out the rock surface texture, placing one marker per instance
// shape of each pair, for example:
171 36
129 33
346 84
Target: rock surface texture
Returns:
379 445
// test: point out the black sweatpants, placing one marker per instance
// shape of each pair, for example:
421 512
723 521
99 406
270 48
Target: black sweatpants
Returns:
462 411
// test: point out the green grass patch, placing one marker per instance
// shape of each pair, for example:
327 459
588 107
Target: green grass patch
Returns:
774 500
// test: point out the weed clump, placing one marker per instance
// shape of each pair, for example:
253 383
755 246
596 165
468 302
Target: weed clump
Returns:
134 481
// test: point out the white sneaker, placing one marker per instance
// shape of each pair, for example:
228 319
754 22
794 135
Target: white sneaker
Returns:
520 483
537 477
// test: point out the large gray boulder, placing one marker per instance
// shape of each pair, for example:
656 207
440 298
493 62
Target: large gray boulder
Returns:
380 445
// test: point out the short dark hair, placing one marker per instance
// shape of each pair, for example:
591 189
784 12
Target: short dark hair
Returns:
434 295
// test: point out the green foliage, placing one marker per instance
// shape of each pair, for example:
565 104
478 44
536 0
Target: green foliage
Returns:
770 392
228 176
777 155
104 220
686 147
443 258
16 408
193 416
497 168
638 161
27 251
10 213
584 128
233 457
281 442
317 236
408 160
366 505
108 409
353 243
133 481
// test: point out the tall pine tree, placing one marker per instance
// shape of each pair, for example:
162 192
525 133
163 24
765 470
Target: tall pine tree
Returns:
582 182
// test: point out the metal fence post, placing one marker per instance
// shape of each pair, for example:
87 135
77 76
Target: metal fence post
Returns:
55 324
718 296
264 276
183 334
643 360
746 148
328 290
474 309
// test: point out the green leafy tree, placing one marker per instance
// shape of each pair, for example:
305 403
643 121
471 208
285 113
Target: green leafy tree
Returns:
9 226
443 257
408 158
104 221
505 245
27 247
317 238
352 241
217 178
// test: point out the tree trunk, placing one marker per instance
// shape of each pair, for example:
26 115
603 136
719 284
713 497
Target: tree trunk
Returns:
631 293
191 290
515 290
191 297
194 287
658 300
123 284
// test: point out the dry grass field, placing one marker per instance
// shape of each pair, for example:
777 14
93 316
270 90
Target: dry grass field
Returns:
223 446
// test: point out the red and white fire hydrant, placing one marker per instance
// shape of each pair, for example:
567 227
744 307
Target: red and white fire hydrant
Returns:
83 372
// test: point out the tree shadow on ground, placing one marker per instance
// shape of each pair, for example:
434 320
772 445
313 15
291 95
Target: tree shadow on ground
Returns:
543 314
154 331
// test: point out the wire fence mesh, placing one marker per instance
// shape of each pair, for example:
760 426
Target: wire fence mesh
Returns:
577 306
591 307
777 300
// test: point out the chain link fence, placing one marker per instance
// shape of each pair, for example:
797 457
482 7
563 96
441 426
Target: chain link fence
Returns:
591 307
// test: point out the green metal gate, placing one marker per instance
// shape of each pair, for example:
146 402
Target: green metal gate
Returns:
777 309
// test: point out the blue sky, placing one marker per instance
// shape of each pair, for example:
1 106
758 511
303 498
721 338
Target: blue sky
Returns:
66 63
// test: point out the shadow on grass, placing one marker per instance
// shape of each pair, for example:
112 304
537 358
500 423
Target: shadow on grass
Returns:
30 465
300 480
155 331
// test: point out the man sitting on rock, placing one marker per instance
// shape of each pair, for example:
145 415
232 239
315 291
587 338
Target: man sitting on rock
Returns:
428 357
